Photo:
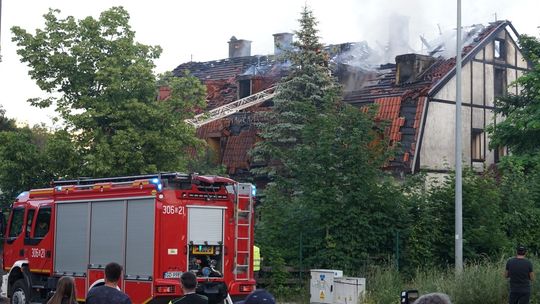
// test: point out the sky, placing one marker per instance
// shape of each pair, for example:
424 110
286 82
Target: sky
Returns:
199 30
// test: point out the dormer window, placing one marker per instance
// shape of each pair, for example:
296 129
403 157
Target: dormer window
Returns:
499 49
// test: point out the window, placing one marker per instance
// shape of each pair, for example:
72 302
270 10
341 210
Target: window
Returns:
244 88
42 222
499 49
477 145
29 221
15 227
499 82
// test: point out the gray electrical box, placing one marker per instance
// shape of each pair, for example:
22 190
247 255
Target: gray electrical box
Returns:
322 285
349 290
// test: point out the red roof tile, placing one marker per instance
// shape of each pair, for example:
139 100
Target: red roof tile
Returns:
236 155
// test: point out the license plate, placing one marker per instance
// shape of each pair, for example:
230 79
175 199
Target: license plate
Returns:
172 275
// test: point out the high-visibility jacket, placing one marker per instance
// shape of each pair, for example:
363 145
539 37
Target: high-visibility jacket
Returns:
256 258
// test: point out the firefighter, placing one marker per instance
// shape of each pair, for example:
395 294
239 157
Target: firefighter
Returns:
256 261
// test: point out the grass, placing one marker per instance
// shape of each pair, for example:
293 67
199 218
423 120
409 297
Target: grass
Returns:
480 282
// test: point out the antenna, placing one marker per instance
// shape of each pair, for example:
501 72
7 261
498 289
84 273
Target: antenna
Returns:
439 27
495 14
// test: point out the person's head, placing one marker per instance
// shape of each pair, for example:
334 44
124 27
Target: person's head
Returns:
433 298
113 271
65 288
189 281
521 250
259 296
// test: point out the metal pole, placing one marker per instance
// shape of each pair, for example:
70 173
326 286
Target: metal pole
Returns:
458 194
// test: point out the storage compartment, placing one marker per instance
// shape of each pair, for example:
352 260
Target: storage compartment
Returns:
205 241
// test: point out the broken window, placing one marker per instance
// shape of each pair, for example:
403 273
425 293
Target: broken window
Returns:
499 49
477 145
244 88
499 82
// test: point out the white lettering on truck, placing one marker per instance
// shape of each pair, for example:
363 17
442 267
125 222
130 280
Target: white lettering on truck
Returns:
180 210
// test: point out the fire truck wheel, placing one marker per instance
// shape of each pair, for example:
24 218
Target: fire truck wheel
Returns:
20 293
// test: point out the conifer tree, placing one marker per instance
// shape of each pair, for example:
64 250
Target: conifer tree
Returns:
324 160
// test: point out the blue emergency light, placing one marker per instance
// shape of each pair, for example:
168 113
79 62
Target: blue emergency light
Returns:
155 181
253 190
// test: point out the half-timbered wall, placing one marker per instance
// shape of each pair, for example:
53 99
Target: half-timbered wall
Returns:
481 76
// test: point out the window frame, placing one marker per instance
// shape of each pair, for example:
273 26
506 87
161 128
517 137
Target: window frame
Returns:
11 221
499 89
478 152
499 46
40 214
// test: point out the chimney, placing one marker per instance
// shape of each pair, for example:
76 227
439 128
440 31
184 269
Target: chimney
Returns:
282 42
239 47
410 66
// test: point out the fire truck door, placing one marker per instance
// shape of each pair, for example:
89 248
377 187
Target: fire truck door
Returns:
13 248
38 242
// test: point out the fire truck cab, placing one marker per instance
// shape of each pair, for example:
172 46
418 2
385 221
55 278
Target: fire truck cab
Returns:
155 226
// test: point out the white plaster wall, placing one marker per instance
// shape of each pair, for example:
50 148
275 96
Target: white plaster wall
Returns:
448 92
479 56
466 83
521 61
478 83
510 78
510 52
437 152
489 85
489 51
478 118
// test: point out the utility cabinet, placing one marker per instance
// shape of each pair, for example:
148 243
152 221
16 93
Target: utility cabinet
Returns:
322 285
349 290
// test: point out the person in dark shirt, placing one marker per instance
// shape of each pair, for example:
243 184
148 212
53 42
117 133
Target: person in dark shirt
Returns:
189 283
108 293
520 271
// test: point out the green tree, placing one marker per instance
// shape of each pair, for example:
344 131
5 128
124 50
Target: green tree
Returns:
430 231
6 124
328 204
32 158
104 89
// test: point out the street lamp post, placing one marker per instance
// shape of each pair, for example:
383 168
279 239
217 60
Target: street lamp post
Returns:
458 188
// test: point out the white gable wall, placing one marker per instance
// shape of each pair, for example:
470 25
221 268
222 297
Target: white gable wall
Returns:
478 94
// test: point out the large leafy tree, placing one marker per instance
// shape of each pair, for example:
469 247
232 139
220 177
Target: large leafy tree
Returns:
103 87
327 204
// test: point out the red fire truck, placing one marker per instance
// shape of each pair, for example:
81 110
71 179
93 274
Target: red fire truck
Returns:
156 226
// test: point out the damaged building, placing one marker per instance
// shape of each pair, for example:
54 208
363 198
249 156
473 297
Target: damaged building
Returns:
416 95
